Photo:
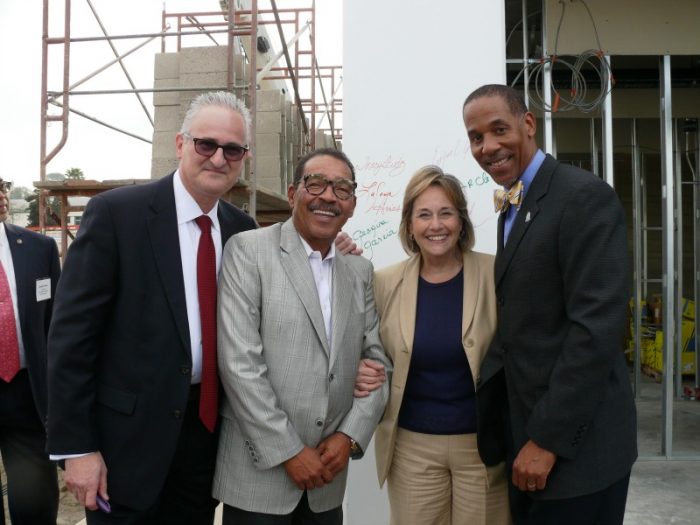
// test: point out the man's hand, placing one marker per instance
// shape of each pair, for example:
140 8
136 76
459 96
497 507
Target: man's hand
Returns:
335 452
85 476
307 470
345 245
370 376
532 466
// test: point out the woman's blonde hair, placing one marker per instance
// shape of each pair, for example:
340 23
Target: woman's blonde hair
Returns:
434 176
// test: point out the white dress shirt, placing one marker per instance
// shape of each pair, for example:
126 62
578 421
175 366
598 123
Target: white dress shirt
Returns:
187 211
8 265
322 269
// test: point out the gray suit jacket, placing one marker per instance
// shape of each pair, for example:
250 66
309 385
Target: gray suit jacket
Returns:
285 386
562 288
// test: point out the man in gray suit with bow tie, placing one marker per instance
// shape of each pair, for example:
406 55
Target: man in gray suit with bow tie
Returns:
295 318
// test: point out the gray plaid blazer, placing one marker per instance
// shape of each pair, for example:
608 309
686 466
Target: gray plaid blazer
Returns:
285 386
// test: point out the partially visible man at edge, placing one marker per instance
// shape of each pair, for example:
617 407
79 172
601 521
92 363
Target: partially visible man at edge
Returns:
132 369
30 271
562 283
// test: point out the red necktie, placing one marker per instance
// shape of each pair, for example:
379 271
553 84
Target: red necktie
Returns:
9 345
206 290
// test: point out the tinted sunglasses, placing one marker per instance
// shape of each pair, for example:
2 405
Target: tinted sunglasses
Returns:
208 147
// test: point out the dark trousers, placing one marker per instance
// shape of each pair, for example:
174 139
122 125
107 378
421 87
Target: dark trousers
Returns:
186 496
32 481
302 515
606 507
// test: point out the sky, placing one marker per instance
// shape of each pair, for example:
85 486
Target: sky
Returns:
102 154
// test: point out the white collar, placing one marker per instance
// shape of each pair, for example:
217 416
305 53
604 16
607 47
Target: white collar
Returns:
187 208
309 250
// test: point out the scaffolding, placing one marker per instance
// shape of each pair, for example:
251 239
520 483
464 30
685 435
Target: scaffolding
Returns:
315 88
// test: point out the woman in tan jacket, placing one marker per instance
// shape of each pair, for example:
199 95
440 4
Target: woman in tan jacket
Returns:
437 317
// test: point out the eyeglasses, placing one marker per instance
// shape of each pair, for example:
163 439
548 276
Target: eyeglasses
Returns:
208 147
5 186
316 184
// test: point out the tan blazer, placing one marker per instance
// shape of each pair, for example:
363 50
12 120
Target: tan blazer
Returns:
396 293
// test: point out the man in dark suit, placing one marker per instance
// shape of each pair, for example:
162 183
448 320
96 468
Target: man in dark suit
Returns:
562 282
131 408
29 271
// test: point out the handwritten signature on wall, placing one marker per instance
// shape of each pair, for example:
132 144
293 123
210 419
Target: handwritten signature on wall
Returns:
373 236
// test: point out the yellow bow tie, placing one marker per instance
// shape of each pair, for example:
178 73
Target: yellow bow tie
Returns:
502 199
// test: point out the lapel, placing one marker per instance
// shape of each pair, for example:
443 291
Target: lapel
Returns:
226 223
525 217
342 301
408 299
470 277
161 223
20 264
296 265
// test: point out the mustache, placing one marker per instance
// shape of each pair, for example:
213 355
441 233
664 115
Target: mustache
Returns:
319 206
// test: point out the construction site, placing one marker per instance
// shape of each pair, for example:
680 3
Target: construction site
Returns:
615 89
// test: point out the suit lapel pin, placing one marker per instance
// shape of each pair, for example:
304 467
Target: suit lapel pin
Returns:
19 241
527 217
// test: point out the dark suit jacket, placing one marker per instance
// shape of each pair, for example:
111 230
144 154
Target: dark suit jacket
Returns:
34 257
119 346
562 286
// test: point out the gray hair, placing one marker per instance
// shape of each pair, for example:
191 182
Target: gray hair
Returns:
224 99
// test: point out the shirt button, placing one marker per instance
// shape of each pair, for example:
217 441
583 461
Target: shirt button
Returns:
331 377
319 422
470 343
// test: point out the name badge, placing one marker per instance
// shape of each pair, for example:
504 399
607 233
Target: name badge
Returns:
43 289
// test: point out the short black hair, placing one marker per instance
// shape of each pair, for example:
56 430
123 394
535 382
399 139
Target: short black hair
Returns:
515 101
330 152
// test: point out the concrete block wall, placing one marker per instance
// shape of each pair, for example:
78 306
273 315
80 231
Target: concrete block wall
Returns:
278 142
196 67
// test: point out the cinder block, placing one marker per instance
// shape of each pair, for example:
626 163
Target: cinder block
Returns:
209 81
162 167
167 118
290 173
166 98
268 144
203 59
166 65
268 121
164 145
270 183
240 68
270 100
268 166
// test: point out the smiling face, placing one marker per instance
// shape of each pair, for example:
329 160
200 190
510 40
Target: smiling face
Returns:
502 143
208 178
319 218
435 224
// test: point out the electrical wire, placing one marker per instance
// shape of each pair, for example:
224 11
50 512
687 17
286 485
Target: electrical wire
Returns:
578 91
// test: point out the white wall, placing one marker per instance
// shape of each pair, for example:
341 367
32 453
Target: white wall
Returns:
407 68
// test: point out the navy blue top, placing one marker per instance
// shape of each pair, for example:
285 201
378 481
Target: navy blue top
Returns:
439 396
